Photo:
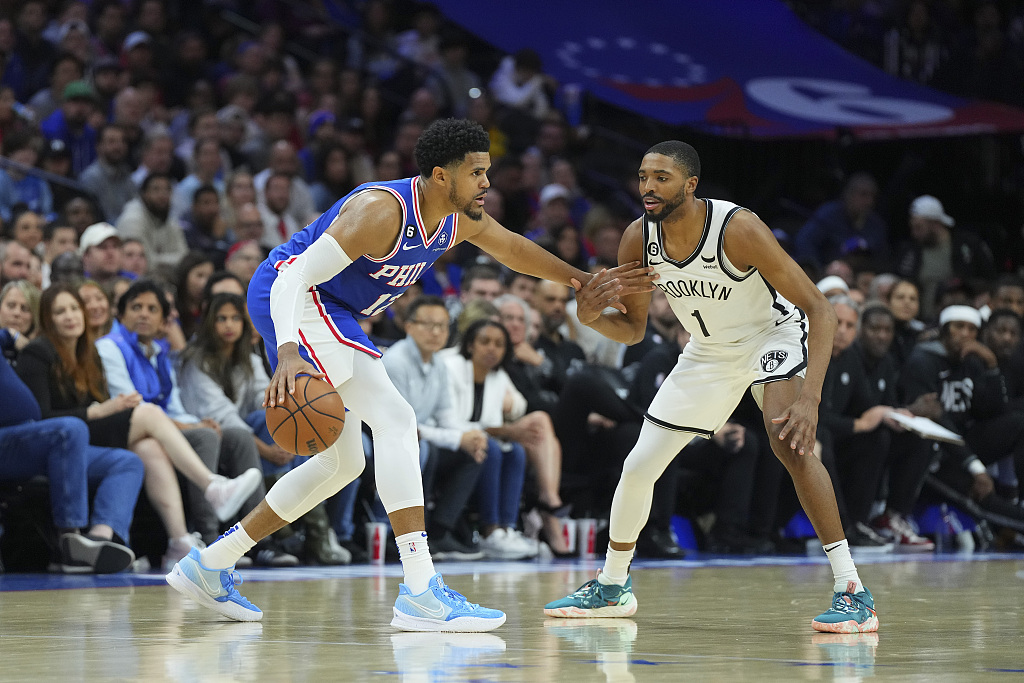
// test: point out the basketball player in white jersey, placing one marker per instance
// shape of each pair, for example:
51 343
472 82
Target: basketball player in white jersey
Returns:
756 321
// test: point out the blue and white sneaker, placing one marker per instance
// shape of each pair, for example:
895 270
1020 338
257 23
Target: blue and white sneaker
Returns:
439 608
213 588
595 599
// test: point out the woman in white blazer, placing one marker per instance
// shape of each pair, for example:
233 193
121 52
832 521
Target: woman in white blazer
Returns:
483 397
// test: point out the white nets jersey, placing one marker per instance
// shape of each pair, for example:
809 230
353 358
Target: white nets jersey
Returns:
717 304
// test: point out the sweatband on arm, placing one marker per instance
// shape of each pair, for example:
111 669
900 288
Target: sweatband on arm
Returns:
321 261
976 467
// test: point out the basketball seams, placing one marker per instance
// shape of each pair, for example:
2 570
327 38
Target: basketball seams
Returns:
309 413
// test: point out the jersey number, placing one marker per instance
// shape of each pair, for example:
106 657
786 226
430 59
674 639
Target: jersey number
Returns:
382 302
700 321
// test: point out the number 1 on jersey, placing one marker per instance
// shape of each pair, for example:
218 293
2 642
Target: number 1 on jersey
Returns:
700 321
382 302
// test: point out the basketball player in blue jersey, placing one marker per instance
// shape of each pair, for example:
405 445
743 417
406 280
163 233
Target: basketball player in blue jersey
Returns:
306 300
756 322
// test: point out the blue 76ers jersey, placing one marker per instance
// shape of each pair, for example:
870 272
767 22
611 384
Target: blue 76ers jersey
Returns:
370 285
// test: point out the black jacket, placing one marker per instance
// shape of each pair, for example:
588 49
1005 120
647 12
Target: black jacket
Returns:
971 258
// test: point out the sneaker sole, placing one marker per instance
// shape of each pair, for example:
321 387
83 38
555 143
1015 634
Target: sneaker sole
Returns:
851 626
406 622
598 612
102 557
177 580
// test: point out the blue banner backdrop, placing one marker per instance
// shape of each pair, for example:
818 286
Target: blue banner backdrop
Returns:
733 67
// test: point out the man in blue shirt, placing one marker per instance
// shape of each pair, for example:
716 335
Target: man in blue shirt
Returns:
845 226
70 124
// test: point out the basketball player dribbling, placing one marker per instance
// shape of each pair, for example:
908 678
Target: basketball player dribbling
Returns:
756 321
306 300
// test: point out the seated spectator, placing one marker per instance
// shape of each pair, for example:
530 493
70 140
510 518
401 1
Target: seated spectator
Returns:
845 225
190 280
904 302
550 299
248 226
1002 334
519 83
285 162
208 170
222 282
1007 292
148 219
239 192
530 370
79 213
937 252
26 228
64 373
334 180
134 257
64 69
67 268
453 453
14 262
204 227
57 239
278 222
19 311
134 362
97 307
59 449
243 259
109 178
157 157
483 398
19 187
223 379
100 249
70 124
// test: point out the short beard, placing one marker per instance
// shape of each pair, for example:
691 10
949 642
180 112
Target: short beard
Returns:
471 210
670 206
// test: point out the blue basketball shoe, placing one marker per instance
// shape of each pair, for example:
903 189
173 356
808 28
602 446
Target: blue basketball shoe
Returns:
850 613
213 588
439 608
595 599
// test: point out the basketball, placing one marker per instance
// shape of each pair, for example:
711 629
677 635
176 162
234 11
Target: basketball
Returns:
310 420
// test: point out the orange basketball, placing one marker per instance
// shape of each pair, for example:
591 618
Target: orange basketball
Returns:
310 420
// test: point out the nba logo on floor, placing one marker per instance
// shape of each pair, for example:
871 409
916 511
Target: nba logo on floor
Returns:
773 359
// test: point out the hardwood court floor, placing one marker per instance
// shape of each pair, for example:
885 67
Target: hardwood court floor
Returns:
943 619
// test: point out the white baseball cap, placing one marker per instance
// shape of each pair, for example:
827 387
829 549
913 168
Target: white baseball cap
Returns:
553 191
832 282
927 206
95 235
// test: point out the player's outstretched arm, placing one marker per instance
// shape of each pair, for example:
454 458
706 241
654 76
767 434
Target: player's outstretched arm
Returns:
628 323
368 224
749 242
522 255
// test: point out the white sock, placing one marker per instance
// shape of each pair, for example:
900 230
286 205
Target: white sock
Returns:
416 562
845 572
616 567
226 550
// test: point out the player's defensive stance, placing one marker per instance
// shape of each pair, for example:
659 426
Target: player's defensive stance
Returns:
306 299
734 288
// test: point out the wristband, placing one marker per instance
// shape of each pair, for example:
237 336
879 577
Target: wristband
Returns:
976 467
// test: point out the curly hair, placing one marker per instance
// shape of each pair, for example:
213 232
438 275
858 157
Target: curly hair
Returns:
448 141
683 154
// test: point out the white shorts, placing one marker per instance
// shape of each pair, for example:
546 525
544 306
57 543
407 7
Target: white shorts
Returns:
706 385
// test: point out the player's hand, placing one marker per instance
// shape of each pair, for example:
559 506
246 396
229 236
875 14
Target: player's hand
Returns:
607 287
799 424
982 486
289 364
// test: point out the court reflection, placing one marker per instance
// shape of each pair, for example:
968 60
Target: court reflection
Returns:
852 655
435 657
610 641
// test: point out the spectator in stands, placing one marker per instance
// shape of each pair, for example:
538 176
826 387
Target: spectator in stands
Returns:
19 187
376 55
483 398
192 273
34 51
853 427
134 362
148 219
904 302
14 262
64 373
19 311
57 239
239 191
549 300
243 259
1002 334
520 83
208 169
70 125
133 257
284 161
65 68
1008 292
100 249
222 379
453 84
204 227
914 49
278 221
67 268
421 43
334 180
529 369
453 453
157 157
96 304
845 225
109 21
553 213
937 253
59 449
322 132
275 119
249 225
109 177
26 228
